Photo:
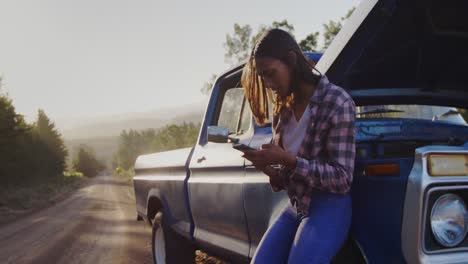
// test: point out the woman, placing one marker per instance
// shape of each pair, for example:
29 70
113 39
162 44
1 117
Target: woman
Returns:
313 141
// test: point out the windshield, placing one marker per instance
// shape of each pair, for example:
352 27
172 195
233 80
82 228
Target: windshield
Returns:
425 112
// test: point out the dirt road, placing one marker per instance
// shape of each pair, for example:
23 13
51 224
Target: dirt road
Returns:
97 224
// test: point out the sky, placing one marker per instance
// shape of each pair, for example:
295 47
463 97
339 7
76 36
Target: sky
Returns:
88 58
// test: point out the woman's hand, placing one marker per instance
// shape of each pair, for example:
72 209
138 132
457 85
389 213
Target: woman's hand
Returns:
275 181
277 184
270 154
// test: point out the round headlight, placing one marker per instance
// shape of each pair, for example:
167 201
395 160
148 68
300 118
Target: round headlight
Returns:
449 220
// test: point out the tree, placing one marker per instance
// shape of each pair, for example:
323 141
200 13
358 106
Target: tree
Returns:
332 28
11 123
175 136
14 139
309 44
86 162
134 143
29 153
284 25
239 45
53 142
207 86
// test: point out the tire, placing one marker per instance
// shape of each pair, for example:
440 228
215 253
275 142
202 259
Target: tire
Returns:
168 247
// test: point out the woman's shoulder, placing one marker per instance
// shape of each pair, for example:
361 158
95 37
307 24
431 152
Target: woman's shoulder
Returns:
336 94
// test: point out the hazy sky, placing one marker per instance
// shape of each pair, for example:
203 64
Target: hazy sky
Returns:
83 58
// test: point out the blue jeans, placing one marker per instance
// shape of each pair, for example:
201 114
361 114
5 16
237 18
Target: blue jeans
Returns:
313 238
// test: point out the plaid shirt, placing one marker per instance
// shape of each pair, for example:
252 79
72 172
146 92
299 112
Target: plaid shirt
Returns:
325 160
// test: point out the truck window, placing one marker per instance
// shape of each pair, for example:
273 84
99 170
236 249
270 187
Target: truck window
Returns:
231 115
246 118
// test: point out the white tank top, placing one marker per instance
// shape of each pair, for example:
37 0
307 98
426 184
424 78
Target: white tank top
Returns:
294 132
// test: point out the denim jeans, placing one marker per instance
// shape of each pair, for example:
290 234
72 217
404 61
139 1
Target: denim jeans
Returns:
313 238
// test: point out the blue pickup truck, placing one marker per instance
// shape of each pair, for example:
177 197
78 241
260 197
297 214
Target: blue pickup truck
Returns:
405 65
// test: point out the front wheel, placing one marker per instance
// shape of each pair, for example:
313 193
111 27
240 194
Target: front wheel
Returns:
168 246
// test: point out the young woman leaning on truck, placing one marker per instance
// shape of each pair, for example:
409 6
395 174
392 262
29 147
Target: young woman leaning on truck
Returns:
313 141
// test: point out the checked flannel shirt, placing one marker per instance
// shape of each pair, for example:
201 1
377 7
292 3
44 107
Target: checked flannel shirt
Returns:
325 160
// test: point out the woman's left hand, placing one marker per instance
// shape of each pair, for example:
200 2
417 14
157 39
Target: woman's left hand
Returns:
270 154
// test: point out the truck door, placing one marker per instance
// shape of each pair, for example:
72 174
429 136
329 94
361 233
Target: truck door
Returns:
217 175
261 204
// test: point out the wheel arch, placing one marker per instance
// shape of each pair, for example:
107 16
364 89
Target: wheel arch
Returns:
156 203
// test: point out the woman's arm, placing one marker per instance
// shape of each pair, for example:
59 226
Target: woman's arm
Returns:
335 174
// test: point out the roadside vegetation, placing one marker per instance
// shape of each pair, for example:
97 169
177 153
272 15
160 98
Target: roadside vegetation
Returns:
16 201
34 170
134 143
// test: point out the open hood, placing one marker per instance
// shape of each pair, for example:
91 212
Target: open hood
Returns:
403 51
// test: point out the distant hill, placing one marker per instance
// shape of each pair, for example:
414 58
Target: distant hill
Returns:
109 126
102 133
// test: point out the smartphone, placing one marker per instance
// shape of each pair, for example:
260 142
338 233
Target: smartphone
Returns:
242 147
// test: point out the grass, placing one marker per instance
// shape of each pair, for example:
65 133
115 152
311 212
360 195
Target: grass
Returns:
18 200
203 258
125 174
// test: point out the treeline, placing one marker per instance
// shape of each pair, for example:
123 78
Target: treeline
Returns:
85 162
134 143
30 153
239 44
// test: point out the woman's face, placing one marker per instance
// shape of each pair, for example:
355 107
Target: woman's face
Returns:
275 73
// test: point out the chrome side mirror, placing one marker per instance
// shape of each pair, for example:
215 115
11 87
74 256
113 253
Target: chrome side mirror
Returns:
218 134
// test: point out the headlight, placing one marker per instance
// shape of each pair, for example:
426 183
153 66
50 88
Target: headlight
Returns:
448 165
449 220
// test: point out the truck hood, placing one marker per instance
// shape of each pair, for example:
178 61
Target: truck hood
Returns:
411 51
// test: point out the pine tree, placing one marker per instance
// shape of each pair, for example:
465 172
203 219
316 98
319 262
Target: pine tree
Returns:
13 134
86 162
52 145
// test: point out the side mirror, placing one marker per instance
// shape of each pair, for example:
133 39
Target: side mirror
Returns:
218 134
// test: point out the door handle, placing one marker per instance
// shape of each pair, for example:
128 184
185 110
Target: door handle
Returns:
275 166
199 160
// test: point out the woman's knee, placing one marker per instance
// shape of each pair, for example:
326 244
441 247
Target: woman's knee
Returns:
316 250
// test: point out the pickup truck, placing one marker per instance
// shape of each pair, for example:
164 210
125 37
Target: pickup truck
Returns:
404 64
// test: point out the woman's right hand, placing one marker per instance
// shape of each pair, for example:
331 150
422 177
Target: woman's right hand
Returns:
273 174
275 182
